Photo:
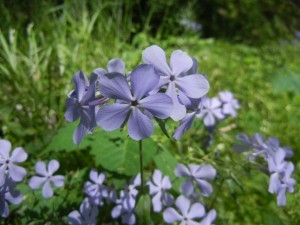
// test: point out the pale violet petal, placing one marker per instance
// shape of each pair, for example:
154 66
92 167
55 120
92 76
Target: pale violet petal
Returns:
183 204
18 155
53 166
180 62
17 173
205 172
5 147
35 182
184 125
194 86
47 190
196 211
79 81
116 65
58 180
182 171
179 110
170 215
40 168
79 133
72 110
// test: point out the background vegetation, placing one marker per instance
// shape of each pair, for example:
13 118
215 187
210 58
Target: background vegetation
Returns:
248 47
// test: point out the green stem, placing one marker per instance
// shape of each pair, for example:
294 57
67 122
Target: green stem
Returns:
141 166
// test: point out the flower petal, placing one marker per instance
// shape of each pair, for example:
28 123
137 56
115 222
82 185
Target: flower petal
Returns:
194 68
58 180
4 209
166 183
179 110
209 218
205 187
183 204
79 81
274 183
185 124
47 190
156 56
114 85
18 155
194 86
40 168
116 65
74 218
182 171
209 120
196 211
156 202
143 79
5 147
111 117
170 215
187 187
72 111
53 166
159 105
94 175
281 197
35 182
180 62
205 172
79 133
140 126
157 177
17 173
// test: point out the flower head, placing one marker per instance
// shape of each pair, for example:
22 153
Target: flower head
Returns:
211 111
188 213
175 77
137 105
87 214
77 105
158 190
230 104
196 174
46 178
7 163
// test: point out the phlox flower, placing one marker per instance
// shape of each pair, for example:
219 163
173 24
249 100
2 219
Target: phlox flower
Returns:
7 163
230 104
187 214
77 105
136 105
175 77
158 187
197 174
113 65
86 215
96 190
46 178
211 111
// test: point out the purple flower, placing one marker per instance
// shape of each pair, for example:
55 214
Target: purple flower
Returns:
276 166
287 184
8 194
209 218
187 212
211 111
46 178
7 163
136 105
230 104
196 174
175 77
77 105
114 65
96 190
158 186
273 146
87 214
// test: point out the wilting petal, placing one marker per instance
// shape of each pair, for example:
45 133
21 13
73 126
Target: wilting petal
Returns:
182 171
156 56
47 190
35 182
196 211
72 110
183 204
185 124
58 180
180 62
4 209
17 173
143 79
116 65
187 187
194 86
18 155
40 168
205 187
159 105
179 110
140 126
209 218
53 166
170 215
111 117
79 81
114 85
5 147
205 172
79 133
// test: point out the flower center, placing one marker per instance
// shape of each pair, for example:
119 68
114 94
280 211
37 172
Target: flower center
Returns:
134 103
172 78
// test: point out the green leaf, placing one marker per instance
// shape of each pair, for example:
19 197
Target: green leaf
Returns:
166 163
143 209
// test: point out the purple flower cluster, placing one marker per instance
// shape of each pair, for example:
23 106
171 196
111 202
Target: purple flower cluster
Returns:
209 109
153 89
275 155
10 175
189 209
46 178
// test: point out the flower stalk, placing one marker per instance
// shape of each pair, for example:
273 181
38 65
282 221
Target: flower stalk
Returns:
141 165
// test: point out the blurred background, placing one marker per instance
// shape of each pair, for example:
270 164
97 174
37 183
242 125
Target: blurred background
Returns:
249 47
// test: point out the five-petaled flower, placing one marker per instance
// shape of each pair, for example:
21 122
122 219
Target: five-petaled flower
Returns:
46 177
